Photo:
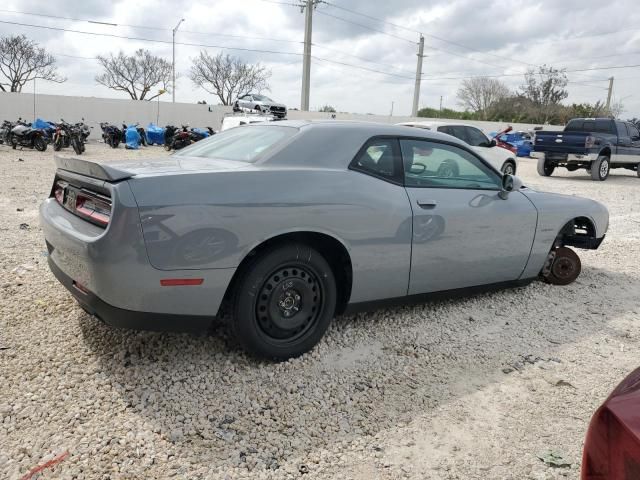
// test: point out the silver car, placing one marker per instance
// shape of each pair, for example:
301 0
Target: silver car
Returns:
291 223
260 104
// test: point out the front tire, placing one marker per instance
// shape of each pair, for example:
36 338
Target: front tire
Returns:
545 169
600 169
285 301
77 146
638 170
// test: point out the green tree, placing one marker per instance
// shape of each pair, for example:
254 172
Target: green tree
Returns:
545 89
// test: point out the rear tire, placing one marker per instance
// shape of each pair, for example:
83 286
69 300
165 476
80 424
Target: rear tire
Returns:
57 144
509 167
544 168
600 168
448 168
39 144
638 170
285 301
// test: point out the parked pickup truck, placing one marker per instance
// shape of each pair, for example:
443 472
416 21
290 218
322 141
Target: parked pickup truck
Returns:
595 144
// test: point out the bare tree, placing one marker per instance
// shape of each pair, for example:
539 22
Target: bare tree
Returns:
22 60
135 74
546 88
479 94
228 77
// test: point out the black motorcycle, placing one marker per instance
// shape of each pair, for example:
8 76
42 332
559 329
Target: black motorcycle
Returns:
111 134
175 139
5 131
24 136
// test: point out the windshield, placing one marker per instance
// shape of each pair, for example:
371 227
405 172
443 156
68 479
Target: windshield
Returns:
243 144
261 98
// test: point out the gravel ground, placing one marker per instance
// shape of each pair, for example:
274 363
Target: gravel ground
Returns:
411 392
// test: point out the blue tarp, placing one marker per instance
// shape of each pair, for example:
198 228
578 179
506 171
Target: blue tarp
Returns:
201 131
155 134
41 124
133 138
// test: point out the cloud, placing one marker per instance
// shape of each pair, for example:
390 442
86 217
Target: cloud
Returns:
462 38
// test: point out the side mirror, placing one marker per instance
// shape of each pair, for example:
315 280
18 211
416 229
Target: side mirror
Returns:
510 183
493 142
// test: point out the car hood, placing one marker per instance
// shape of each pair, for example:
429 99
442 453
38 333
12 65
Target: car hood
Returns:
271 104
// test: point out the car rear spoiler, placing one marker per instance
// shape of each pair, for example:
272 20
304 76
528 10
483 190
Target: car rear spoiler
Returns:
91 169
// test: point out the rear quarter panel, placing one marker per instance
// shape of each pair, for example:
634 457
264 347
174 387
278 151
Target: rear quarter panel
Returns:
213 220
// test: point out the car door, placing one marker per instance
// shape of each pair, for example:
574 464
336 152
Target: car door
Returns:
245 102
634 149
624 147
464 233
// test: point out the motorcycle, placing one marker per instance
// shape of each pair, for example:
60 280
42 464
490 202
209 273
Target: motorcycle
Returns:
66 135
111 134
24 135
141 132
5 131
176 139
85 131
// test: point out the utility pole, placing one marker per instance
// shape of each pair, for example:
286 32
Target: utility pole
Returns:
416 90
609 93
440 114
391 114
306 64
173 63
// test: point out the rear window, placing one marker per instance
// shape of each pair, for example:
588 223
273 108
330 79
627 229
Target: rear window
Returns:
243 144
598 126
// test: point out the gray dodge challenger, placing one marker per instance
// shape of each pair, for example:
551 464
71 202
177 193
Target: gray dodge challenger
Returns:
287 224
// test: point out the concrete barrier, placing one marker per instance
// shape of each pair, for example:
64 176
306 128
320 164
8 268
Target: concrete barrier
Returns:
95 110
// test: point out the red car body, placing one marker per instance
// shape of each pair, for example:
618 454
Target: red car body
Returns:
500 143
612 446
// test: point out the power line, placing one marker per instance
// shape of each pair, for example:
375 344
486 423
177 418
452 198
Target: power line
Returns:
147 27
611 67
142 39
360 58
360 67
371 17
367 27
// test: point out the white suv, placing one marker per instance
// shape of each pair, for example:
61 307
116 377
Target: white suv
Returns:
501 158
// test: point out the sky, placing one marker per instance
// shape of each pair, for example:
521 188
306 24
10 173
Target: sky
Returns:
364 51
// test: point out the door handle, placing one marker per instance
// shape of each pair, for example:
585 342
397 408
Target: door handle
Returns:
427 204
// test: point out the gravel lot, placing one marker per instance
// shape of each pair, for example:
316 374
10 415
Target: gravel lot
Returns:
411 392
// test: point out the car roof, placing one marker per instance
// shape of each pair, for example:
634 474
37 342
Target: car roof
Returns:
437 123
371 128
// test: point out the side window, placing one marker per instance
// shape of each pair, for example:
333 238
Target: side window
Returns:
438 165
603 126
622 129
446 130
379 157
633 132
460 133
476 137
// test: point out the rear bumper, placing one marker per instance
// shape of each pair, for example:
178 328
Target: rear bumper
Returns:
113 265
568 158
131 319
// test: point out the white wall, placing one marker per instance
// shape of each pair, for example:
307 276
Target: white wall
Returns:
96 110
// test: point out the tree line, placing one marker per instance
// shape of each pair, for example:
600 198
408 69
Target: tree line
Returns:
538 100
139 75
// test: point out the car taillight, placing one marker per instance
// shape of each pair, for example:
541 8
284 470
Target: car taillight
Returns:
589 142
58 191
93 208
